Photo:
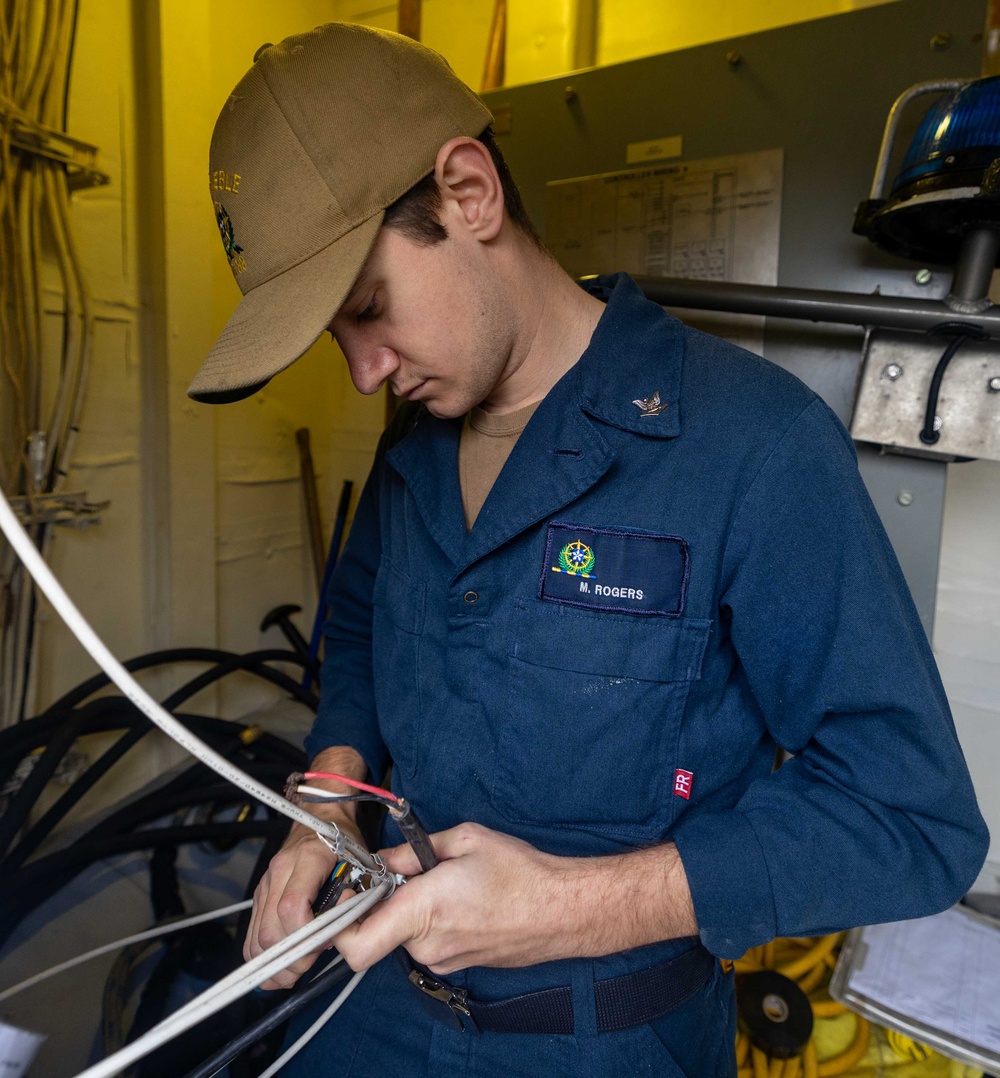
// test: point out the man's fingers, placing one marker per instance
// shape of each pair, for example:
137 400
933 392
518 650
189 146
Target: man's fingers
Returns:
368 941
455 842
401 859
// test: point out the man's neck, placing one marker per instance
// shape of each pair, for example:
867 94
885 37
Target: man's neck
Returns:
556 323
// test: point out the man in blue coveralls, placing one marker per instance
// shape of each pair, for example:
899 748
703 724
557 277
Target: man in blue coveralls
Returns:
602 566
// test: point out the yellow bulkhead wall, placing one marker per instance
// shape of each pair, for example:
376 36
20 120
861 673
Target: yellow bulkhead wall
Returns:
542 35
210 534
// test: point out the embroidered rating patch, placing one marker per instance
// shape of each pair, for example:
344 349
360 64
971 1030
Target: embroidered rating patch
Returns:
614 569
682 783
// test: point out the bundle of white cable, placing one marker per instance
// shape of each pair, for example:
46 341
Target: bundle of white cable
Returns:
92 643
307 939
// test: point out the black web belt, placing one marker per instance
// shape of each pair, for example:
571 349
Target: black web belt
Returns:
631 999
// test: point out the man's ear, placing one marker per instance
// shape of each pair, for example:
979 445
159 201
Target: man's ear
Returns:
471 194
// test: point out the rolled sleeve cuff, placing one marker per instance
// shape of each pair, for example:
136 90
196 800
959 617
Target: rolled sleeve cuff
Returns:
729 882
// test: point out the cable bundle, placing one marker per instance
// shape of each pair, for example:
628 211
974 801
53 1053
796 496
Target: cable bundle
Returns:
40 397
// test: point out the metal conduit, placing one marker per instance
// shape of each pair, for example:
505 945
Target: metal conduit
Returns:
812 305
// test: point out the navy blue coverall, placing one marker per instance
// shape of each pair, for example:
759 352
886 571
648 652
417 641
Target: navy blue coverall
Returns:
677 569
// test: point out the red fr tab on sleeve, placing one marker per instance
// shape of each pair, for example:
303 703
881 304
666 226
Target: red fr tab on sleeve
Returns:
682 783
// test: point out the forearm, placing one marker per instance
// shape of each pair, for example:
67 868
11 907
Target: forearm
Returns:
339 760
617 902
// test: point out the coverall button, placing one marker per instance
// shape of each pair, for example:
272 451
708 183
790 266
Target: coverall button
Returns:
470 596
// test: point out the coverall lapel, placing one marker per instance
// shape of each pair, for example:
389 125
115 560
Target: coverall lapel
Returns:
560 455
427 460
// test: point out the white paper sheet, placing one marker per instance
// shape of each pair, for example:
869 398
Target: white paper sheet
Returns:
942 971
18 1048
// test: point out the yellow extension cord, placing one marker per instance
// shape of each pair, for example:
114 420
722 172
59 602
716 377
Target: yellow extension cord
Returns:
807 962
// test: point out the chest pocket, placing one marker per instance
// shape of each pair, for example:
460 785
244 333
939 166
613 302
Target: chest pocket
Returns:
593 719
399 604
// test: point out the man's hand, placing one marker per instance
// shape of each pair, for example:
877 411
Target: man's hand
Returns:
283 900
497 901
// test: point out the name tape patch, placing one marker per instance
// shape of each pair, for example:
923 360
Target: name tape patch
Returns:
614 569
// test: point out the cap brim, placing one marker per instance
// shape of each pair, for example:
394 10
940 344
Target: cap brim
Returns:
279 320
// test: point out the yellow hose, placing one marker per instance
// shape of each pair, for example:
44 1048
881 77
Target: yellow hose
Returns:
846 1060
827 1008
815 955
742 1049
760 1063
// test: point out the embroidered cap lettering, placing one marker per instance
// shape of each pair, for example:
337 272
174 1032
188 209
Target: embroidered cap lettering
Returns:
615 569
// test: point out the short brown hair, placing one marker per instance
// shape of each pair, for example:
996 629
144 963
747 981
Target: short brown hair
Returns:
415 214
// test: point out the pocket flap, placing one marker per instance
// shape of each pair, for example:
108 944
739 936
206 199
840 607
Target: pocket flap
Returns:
610 645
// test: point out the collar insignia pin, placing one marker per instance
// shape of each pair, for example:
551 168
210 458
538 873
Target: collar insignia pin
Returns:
651 405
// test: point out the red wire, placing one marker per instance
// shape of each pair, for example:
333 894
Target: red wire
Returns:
352 782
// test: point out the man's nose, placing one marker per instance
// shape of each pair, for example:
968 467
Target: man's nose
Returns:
370 367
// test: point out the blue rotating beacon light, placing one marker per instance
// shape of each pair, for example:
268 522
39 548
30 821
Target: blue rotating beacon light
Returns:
944 206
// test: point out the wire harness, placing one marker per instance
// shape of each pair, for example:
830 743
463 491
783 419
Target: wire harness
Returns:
367 867
343 845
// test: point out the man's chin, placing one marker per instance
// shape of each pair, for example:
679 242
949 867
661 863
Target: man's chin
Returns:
442 410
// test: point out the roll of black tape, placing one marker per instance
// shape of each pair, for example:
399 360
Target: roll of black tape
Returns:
775 1013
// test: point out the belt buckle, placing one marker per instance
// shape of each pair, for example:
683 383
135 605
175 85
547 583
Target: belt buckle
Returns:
454 999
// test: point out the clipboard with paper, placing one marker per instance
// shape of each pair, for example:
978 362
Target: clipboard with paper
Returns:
936 979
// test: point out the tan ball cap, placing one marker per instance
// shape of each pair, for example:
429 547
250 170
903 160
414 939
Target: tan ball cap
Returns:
325 131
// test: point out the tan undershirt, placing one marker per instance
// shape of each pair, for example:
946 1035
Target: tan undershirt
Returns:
486 443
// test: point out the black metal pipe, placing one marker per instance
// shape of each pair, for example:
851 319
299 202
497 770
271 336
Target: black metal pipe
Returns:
811 305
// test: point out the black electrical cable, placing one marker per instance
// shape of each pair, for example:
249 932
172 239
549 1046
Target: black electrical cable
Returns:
18 741
962 332
413 831
20 806
26 889
179 655
39 831
253 662
322 982
84 723
44 876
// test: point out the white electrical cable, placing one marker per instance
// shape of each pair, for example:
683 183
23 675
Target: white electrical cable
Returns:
139 937
92 643
306 940
315 791
314 1028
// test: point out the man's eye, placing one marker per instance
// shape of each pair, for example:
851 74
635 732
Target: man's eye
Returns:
370 312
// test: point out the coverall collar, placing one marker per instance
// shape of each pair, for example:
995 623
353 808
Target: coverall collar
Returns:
562 452
613 372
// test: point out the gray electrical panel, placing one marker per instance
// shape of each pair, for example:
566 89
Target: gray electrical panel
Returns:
819 92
